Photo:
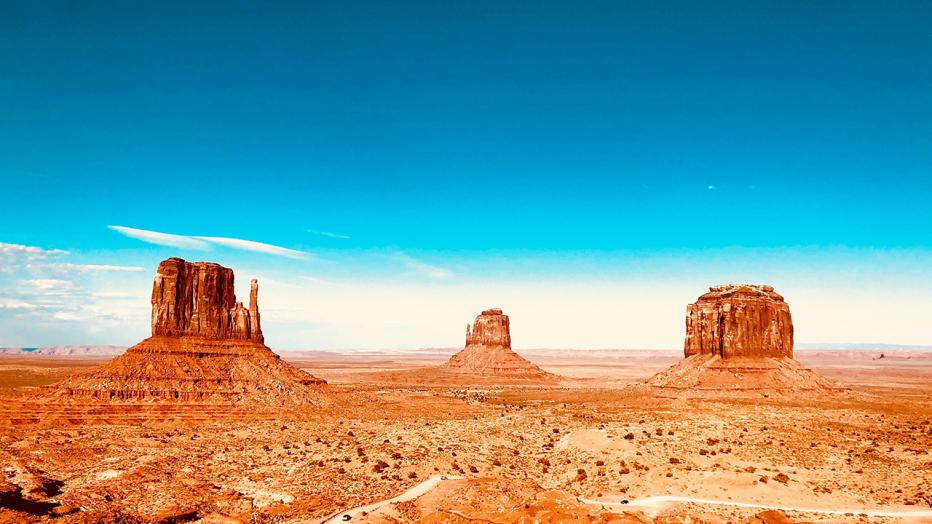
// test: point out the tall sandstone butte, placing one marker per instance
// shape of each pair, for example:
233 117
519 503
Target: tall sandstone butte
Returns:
491 328
739 340
488 356
205 346
197 299
739 320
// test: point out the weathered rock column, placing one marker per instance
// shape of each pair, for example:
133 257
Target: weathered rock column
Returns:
491 328
739 320
197 299
254 323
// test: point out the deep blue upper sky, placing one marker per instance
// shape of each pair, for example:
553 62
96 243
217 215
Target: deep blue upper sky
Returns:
485 125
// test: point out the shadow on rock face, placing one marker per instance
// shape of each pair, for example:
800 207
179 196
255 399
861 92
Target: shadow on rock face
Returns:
179 518
11 497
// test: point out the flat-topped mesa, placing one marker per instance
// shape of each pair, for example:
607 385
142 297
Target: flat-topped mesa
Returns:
739 342
198 299
491 328
739 320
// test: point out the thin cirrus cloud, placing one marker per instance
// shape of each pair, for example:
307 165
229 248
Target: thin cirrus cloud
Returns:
47 284
258 247
12 250
16 304
92 268
162 239
423 268
328 234
12 256
205 243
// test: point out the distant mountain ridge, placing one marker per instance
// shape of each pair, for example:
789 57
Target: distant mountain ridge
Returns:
67 351
444 353
864 346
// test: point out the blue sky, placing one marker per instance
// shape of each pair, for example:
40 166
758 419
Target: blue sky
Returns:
447 148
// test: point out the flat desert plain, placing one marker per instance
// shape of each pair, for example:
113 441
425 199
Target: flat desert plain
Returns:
591 448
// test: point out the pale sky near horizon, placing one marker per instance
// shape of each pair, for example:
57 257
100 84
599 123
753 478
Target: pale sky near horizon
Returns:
390 299
390 170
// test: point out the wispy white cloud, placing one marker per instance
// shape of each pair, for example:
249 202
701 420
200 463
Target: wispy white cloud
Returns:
13 256
89 268
258 247
334 235
204 243
47 284
711 188
51 295
117 295
162 239
12 303
16 249
423 268
315 280
329 234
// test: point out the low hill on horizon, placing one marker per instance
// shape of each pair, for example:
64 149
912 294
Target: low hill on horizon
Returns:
66 350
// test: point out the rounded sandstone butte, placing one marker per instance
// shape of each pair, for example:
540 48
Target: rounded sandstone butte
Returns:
491 328
197 299
739 320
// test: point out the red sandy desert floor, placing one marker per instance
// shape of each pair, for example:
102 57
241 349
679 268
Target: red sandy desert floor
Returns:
587 449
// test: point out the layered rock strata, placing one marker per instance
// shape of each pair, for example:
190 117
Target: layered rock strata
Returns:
742 320
488 352
197 299
205 346
739 340
491 328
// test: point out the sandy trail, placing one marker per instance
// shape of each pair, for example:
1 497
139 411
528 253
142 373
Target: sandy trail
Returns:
650 504
659 502
411 494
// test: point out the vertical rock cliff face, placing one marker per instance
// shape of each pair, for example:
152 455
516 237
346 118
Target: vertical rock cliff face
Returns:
739 320
739 341
491 328
197 299
205 347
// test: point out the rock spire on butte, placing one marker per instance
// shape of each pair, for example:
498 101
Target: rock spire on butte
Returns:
488 356
739 339
205 346
197 300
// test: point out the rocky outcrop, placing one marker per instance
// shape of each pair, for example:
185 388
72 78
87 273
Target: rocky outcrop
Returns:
739 320
739 341
491 328
487 355
197 299
205 347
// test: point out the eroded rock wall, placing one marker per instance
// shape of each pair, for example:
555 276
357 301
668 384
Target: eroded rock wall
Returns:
739 320
198 299
491 328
